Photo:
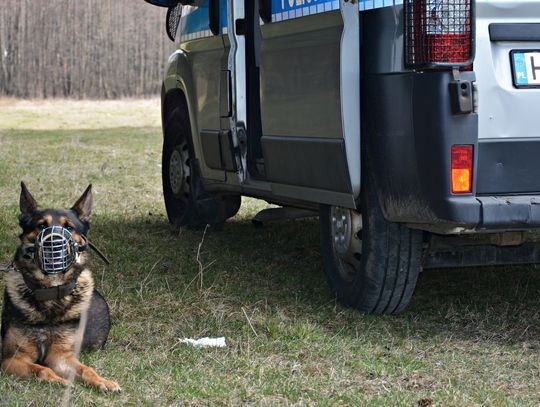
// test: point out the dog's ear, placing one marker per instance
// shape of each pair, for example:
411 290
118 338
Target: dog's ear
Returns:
27 203
83 206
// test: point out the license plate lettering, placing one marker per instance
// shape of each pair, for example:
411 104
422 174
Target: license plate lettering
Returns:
526 68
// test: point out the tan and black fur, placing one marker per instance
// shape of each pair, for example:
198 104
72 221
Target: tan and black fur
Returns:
42 338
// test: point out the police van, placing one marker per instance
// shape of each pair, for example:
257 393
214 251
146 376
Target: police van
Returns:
411 126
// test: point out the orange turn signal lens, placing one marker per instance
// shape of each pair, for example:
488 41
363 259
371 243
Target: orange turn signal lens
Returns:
461 181
462 168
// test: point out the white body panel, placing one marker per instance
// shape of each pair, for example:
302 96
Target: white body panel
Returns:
504 110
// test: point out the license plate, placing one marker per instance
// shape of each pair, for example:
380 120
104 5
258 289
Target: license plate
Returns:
526 68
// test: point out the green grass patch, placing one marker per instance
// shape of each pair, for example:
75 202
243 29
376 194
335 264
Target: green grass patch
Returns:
470 337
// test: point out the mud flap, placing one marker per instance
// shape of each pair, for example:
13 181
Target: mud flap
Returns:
206 204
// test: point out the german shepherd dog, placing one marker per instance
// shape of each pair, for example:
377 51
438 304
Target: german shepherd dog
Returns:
48 295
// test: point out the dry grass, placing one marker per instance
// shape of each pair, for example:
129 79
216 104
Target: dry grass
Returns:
66 114
470 337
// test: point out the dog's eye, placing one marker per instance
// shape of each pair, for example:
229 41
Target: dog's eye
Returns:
69 227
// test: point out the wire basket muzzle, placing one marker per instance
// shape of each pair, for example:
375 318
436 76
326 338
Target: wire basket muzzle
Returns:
55 250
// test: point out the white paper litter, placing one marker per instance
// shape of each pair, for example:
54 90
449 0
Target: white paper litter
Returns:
205 342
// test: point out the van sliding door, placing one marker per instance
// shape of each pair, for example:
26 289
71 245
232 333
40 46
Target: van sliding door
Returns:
302 91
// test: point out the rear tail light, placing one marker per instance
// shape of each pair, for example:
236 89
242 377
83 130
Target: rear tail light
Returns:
438 33
462 168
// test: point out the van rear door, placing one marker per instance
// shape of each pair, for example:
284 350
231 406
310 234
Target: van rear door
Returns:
507 67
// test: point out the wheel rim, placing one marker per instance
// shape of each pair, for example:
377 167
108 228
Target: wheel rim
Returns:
179 171
346 237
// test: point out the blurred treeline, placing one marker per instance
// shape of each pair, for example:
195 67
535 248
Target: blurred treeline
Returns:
81 48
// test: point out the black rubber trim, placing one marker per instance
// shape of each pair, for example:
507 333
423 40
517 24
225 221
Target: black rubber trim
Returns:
213 16
313 162
409 130
508 167
510 212
265 10
483 255
228 159
225 94
218 149
253 109
514 32
212 149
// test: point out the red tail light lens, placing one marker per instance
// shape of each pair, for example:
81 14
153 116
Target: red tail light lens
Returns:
438 32
448 48
462 168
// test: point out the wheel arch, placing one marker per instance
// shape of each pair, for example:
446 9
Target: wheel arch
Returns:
177 90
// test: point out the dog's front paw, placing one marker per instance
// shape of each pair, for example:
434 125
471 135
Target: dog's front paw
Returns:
109 386
48 375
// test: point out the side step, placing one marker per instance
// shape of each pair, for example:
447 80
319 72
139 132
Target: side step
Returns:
279 214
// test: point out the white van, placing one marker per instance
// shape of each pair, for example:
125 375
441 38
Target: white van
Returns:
408 124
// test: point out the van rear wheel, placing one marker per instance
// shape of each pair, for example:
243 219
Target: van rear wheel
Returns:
371 264
186 201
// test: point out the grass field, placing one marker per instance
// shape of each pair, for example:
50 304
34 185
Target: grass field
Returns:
470 337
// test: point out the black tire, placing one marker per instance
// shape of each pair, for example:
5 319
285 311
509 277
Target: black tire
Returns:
381 277
182 187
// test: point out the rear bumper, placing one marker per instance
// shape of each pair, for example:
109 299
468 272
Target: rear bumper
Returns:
509 212
408 132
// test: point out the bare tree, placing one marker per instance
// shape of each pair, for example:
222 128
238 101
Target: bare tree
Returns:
81 48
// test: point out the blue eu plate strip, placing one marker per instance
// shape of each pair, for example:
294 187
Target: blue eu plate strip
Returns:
520 69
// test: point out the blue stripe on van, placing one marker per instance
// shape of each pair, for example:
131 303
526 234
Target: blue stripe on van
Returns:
195 24
373 4
290 9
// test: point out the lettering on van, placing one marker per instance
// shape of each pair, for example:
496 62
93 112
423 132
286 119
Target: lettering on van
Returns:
291 9
297 3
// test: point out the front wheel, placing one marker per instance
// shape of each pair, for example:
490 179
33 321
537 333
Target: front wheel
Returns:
371 264
186 201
